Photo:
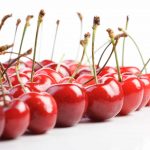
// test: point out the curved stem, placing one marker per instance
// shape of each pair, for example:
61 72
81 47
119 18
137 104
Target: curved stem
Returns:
145 65
124 39
142 59
103 54
59 63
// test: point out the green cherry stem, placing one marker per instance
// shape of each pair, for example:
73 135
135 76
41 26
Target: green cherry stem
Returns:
145 65
55 38
27 24
137 47
16 29
40 20
84 43
60 61
124 39
81 30
96 23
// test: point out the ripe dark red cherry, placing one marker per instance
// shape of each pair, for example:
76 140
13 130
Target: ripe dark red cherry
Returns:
105 99
43 111
2 120
17 116
71 102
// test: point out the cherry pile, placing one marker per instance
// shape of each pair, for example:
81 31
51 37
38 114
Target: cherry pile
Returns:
37 96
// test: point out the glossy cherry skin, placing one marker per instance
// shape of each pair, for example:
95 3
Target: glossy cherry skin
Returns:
83 71
105 99
146 96
43 111
85 77
147 76
14 79
17 90
17 116
63 69
133 94
131 69
107 70
43 63
2 120
50 72
40 83
71 102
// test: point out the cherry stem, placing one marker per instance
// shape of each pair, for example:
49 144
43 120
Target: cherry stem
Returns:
145 65
27 24
124 39
25 57
19 79
6 75
3 89
54 43
16 59
81 30
84 43
99 71
40 20
17 24
137 47
4 19
59 63
102 55
96 22
5 47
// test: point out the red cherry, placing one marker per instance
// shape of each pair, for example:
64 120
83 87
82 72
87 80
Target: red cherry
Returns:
133 94
83 71
64 70
17 116
2 120
71 102
146 96
14 79
105 99
50 72
17 90
43 110
41 83
131 69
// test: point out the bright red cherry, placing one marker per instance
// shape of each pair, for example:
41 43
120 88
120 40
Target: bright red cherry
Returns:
2 120
146 96
131 69
105 99
17 116
133 94
71 102
64 70
50 72
43 111
41 83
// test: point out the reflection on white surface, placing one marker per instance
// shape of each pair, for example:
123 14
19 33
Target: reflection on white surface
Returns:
121 133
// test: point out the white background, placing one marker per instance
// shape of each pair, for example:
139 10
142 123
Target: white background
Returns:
131 132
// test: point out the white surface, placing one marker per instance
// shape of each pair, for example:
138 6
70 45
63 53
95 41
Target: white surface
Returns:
120 133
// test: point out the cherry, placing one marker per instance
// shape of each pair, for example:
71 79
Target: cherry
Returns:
14 79
43 110
146 96
50 72
131 69
64 70
2 120
17 116
83 71
71 102
41 83
105 99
